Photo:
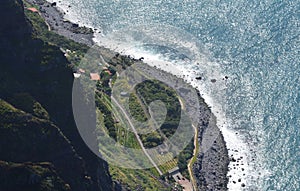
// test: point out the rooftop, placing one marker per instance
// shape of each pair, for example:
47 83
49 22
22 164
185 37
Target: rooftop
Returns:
95 76
81 70
32 9
76 75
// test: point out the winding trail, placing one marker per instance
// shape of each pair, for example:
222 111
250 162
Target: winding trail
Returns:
136 134
190 164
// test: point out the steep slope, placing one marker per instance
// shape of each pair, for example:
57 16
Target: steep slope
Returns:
30 177
35 78
28 138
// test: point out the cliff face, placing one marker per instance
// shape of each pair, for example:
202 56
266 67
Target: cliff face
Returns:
16 25
28 138
30 177
36 120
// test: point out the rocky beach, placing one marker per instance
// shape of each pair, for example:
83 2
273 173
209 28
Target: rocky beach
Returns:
54 17
211 167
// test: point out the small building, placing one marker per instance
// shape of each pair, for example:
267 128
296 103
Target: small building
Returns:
185 183
95 76
175 173
32 9
81 70
76 75
124 94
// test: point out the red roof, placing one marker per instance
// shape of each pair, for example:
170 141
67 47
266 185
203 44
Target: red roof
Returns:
32 9
95 76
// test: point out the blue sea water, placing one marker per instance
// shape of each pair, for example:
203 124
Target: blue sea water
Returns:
255 43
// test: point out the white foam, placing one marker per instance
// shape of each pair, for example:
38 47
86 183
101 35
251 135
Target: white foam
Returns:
233 142
236 145
71 14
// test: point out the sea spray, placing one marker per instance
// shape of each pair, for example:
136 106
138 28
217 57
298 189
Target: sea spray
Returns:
255 43
196 63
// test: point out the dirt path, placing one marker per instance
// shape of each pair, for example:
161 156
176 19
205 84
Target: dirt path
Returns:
136 134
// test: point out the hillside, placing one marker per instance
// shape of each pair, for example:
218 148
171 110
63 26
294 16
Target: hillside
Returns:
40 146
30 177
36 123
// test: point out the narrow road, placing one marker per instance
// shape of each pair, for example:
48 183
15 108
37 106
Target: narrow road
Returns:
190 168
193 181
136 135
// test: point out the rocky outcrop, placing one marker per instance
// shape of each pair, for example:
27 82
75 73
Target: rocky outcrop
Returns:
211 167
58 24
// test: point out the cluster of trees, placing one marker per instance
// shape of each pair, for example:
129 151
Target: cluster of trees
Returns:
153 90
103 85
108 119
41 31
184 156
136 109
121 60
152 139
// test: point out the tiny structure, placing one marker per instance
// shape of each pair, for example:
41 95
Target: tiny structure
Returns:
76 75
185 183
95 76
175 173
32 9
81 70
124 94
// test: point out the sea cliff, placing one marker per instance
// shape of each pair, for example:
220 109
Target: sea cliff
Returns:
31 76
36 123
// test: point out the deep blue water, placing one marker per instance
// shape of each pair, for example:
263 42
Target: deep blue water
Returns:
256 43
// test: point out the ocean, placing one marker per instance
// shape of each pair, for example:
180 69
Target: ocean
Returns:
256 44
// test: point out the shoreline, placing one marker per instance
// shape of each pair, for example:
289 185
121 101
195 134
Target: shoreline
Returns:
218 169
54 17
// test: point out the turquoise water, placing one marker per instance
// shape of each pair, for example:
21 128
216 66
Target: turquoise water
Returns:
255 43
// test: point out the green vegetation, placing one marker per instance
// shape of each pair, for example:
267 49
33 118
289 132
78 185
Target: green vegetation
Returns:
169 165
39 138
47 90
31 176
136 108
109 122
29 105
121 62
151 91
138 179
41 31
36 122
184 157
139 100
